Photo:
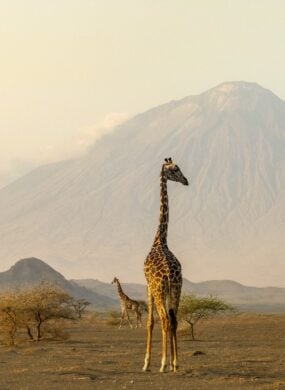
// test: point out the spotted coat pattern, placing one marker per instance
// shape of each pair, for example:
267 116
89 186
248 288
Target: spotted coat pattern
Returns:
127 304
163 274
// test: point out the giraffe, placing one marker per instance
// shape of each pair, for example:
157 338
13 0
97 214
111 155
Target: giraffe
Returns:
127 304
163 274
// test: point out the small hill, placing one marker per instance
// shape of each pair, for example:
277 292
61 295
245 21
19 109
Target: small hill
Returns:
31 271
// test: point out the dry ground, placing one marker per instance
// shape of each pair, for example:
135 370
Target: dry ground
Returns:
244 351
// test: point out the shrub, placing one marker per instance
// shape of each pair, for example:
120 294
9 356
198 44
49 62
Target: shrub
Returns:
193 309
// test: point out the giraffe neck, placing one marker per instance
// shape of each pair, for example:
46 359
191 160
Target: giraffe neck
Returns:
161 234
121 293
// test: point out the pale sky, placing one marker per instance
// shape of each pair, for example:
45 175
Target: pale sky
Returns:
70 69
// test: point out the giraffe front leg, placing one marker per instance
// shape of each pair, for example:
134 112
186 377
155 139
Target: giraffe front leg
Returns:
165 329
140 319
171 368
122 319
173 344
128 317
150 324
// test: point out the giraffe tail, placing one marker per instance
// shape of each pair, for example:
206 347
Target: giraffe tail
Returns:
171 313
172 320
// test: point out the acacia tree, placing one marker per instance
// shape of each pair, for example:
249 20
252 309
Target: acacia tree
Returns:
30 309
9 319
79 306
193 309
43 303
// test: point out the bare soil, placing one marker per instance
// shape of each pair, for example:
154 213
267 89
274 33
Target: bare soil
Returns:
244 351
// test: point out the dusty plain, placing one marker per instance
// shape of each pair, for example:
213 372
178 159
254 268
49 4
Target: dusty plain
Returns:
240 351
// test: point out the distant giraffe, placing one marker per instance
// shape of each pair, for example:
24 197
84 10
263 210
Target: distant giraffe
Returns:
127 304
163 274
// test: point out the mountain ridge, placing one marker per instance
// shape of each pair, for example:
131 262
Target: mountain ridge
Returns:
29 272
101 211
103 296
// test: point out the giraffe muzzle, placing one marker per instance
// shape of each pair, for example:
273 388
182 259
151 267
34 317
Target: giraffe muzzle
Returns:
185 182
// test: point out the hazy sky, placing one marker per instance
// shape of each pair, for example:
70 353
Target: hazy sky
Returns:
70 69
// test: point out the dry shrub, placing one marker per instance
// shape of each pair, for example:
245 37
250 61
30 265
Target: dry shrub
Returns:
55 330
114 317
29 310
93 317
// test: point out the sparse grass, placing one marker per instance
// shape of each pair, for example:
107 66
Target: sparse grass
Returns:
114 318
92 317
244 351
56 331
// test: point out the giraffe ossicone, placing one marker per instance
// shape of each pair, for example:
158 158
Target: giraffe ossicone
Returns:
163 274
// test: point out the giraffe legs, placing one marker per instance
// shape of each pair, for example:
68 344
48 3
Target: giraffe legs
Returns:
165 329
174 304
173 340
150 324
139 319
128 317
123 316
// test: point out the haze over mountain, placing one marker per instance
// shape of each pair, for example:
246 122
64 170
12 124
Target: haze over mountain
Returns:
96 216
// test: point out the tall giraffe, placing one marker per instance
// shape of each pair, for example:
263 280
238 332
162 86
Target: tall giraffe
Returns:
127 304
163 274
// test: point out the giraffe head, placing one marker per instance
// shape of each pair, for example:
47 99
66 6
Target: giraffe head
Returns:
173 172
115 280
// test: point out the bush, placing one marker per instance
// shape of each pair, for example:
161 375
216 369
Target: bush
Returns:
31 309
192 309
114 317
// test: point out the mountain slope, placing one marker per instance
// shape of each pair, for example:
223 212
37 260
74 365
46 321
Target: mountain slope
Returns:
32 271
97 215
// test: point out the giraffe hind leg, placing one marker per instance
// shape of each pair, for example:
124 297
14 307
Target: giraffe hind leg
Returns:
122 319
150 324
165 330
138 317
173 308
128 317
173 340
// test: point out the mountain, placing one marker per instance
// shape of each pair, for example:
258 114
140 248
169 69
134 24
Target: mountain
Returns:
96 216
133 290
104 296
228 290
32 271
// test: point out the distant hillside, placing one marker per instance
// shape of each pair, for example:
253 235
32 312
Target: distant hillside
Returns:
236 293
104 296
133 290
232 292
31 271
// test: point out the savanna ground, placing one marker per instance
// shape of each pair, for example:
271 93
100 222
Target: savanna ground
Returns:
240 351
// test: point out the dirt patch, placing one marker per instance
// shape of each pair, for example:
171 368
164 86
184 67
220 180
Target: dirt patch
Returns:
243 351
